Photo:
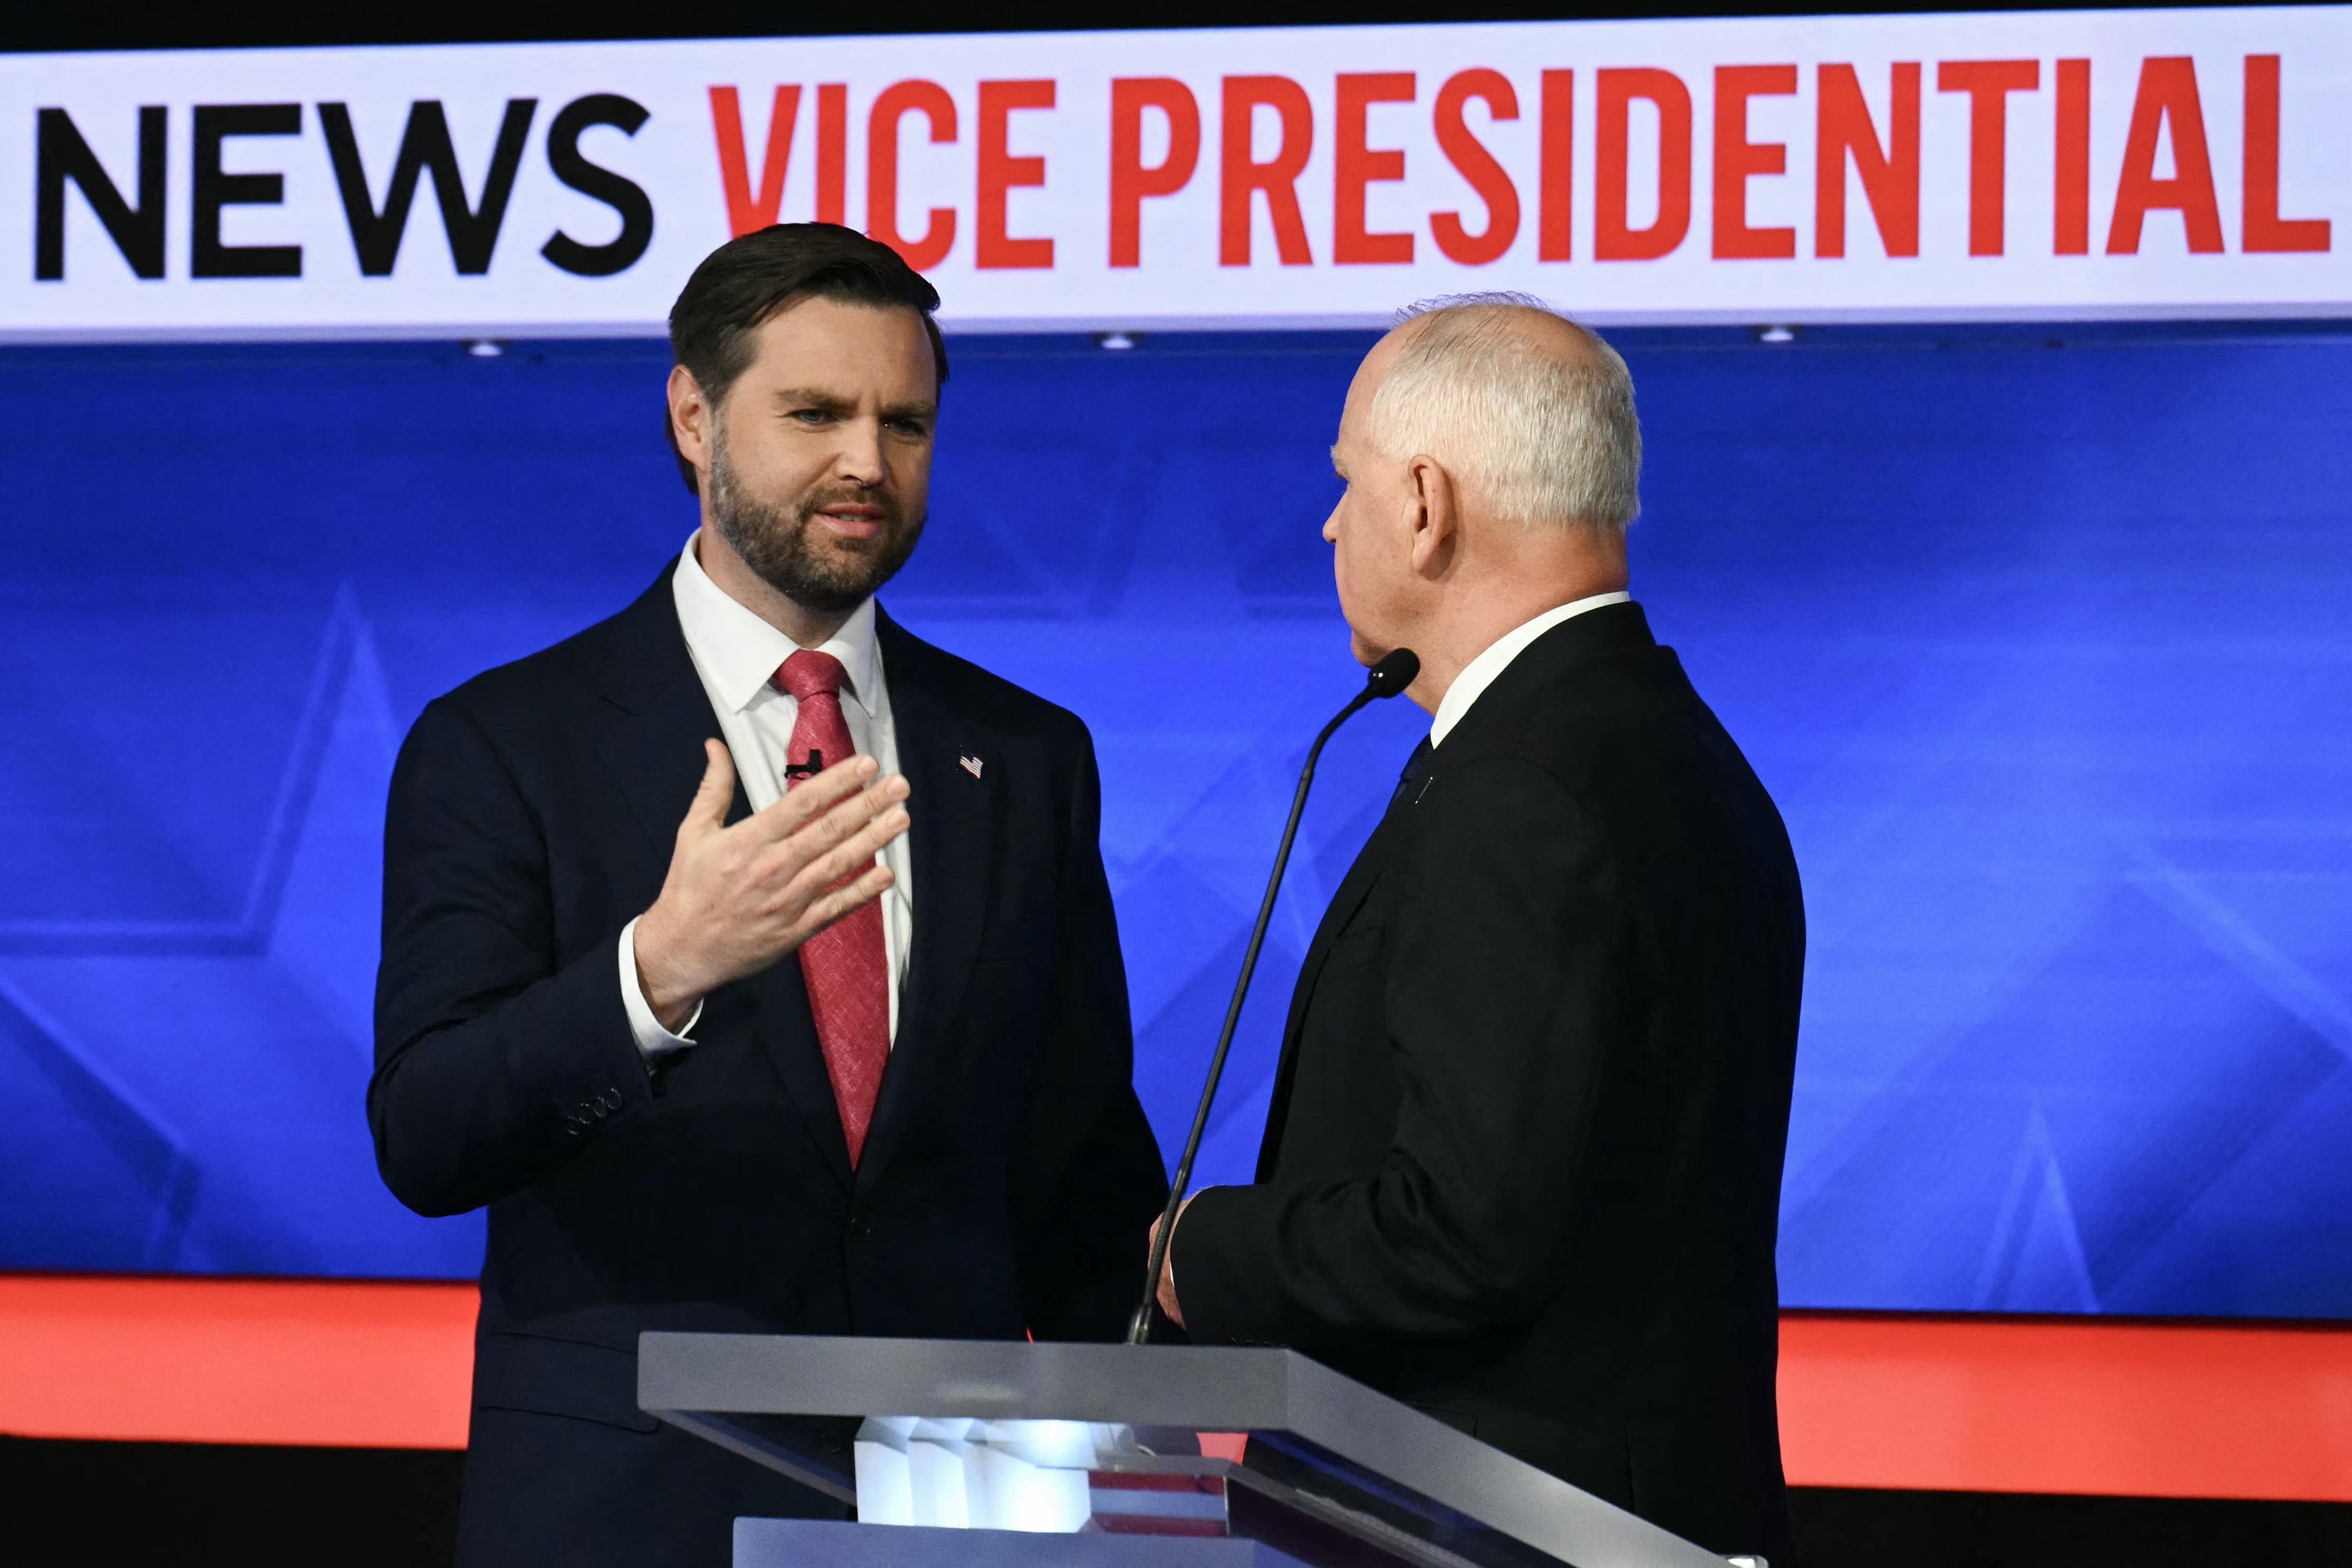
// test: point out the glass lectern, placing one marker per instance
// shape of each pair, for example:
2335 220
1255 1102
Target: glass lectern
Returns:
975 1453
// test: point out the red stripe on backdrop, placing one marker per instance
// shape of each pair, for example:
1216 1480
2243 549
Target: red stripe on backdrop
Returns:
193 1359
2079 1406
2070 1405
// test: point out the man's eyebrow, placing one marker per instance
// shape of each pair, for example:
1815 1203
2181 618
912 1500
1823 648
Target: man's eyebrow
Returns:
921 411
810 397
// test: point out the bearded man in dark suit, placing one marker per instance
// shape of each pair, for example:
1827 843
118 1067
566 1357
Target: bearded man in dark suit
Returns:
1522 1165
749 958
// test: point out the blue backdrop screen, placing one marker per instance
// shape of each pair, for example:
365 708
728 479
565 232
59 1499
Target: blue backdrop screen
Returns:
2042 645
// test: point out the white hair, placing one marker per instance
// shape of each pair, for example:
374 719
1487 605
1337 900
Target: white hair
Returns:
1542 436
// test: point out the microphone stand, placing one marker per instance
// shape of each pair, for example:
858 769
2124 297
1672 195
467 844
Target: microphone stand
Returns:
1392 674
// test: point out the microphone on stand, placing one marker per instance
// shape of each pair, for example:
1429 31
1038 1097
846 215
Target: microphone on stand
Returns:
1391 675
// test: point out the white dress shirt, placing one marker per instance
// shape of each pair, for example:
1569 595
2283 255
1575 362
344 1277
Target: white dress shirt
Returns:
737 654
1480 673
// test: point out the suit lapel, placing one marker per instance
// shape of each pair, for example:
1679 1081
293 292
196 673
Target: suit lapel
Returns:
1353 890
951 839
658 718
773 1005
659 715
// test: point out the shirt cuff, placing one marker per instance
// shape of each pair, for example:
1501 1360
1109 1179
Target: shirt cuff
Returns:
654 1042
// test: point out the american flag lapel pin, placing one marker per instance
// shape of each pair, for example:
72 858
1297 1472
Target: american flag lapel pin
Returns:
971 765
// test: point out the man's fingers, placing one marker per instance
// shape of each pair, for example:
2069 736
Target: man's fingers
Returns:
783 861
854 815
841 900
812 797
716 790
807 865
851 853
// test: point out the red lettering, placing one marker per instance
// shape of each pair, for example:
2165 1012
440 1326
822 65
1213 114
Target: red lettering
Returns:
1241 176
2265 231
893 104
1988 84
1739 159
1556 171
1889 171
2167 93
1477 165
1613 239
2071 227
1000 173
833 154
748 208
1355 166
1131 180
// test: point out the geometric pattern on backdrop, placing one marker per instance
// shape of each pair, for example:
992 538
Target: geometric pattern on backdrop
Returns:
2041 651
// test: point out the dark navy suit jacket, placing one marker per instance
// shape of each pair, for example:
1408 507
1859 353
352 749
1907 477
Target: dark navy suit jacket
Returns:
1009 1175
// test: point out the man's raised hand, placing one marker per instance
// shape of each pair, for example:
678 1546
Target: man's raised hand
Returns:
737 899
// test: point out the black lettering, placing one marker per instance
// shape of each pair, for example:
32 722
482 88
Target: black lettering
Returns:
425 145
213 189
60 154
623 195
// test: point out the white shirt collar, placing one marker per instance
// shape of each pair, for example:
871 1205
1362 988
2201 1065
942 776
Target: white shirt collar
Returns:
1480 673
738 652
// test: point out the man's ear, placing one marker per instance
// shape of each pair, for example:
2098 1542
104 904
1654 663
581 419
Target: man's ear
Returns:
1436 521
690 416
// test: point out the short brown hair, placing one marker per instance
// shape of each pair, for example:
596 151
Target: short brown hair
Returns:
752 276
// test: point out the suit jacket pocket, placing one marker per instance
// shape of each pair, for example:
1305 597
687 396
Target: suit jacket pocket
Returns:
559 1378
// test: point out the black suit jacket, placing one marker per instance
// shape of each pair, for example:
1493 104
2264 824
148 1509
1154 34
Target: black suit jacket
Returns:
1006 1179
1522 1166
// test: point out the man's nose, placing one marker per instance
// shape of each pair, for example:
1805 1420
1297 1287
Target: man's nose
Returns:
859 459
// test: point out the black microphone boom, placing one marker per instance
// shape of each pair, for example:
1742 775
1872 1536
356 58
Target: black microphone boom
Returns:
1391 675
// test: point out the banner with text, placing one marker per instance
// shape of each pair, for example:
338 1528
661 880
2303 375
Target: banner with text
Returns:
2135 164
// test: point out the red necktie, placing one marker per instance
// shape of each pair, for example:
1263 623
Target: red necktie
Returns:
845 964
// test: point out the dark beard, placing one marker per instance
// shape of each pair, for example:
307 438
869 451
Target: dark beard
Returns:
773 541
